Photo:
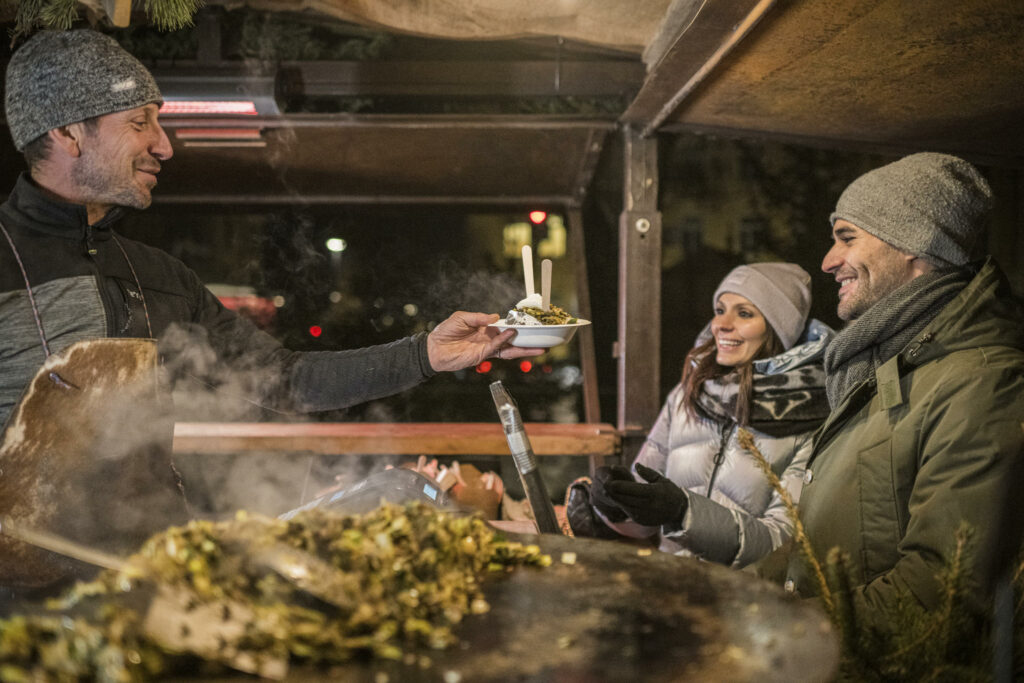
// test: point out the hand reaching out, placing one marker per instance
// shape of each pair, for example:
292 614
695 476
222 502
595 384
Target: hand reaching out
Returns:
464 340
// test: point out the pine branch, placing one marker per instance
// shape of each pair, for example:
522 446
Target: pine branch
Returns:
746 441
946 637
60 15
171 15
838 575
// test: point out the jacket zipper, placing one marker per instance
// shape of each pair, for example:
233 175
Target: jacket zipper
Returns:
727 430
91 252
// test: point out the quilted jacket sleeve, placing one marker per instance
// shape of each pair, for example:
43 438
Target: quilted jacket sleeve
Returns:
734 537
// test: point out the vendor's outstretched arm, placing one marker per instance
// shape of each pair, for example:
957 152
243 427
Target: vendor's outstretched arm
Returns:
255 365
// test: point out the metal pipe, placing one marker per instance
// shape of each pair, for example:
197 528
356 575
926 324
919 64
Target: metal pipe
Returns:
392 122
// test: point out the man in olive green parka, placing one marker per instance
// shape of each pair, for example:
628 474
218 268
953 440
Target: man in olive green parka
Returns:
926 385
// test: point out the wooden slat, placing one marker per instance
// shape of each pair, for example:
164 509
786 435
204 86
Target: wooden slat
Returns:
119 12
414 438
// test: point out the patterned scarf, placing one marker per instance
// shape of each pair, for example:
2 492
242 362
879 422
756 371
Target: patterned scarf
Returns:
788 390
887 328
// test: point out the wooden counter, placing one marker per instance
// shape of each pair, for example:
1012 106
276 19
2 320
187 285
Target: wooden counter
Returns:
410 438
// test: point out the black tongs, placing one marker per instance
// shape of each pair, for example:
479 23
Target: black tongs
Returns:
526 461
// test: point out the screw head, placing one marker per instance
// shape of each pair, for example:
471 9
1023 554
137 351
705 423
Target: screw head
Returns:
642 225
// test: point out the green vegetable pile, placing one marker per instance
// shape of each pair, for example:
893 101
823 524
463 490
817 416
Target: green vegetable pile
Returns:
377 585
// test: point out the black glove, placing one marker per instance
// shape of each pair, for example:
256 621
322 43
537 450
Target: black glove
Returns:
579 512
599 497
655 503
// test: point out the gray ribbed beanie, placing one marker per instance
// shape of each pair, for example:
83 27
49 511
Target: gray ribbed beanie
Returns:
781 291
62 77
933 206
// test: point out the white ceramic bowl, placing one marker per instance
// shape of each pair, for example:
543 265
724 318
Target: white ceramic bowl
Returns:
540 336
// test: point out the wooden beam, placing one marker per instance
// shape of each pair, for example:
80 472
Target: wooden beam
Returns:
119 12
699 46
364 438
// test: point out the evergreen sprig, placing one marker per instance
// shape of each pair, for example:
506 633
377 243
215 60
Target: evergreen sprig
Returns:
746 441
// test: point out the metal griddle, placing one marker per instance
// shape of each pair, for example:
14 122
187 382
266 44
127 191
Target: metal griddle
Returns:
616 615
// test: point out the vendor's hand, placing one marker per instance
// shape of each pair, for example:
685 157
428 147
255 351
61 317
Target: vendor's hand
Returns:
655 503
464 340
599 496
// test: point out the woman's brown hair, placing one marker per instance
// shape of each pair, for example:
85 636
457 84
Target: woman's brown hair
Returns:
701 365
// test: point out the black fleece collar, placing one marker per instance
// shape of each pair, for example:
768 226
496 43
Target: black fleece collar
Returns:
31 207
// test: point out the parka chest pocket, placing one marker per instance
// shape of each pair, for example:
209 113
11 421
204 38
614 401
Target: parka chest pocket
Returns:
881 520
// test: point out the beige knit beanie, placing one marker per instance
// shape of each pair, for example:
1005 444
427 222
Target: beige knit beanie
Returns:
781 291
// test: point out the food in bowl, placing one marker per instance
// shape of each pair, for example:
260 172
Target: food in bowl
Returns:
530 311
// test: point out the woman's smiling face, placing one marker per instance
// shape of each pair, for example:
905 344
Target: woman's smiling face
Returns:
739 330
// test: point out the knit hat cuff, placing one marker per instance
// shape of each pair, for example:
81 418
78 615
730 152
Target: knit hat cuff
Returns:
100 109
866 224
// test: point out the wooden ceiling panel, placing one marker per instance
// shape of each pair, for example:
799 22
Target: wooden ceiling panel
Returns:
935 74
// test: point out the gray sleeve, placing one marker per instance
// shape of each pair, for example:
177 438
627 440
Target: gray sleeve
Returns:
275 377
328 380
734 537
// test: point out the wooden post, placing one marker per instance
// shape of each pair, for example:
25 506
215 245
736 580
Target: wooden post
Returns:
638 345
588 358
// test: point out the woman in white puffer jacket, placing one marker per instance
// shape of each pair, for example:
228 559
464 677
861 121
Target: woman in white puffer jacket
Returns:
757 365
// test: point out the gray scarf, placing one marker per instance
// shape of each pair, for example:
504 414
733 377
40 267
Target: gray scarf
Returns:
886 329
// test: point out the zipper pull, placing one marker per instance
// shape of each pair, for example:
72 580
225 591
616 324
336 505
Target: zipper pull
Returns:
90 248
726 433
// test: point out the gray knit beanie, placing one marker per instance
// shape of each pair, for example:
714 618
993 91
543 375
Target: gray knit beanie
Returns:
781 291
933 206
62 77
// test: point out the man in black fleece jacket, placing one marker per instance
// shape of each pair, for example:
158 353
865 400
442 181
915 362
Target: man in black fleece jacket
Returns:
79 455
84 113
